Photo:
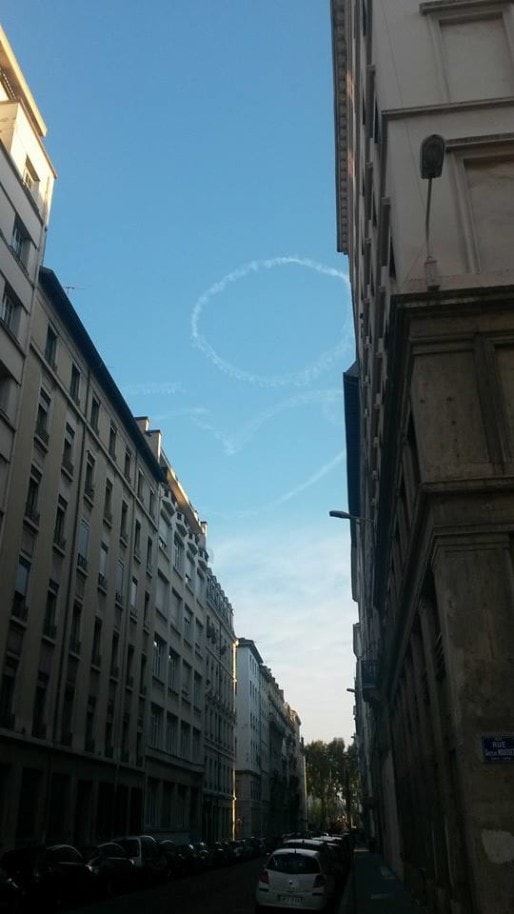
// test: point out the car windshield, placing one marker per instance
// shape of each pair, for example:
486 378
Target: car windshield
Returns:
130 845
293 863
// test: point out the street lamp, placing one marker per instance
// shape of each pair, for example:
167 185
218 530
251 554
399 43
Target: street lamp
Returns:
344 515
431 160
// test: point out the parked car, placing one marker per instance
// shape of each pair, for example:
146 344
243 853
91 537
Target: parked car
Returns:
187 860
330 853
11 895
295 877
204 855
149 859
115 871
169 849
52 877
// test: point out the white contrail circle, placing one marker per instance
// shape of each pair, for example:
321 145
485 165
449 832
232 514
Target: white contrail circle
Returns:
298 378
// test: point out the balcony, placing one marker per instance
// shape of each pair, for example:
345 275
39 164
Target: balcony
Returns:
89 492
42 435
102 582
67 466
59 543
32 515
369 681
82 562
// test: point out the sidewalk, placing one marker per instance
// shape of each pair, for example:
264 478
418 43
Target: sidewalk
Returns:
372 888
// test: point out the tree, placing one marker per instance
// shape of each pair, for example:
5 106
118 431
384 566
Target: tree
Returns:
326 778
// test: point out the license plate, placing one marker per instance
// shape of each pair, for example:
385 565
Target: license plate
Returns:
289 899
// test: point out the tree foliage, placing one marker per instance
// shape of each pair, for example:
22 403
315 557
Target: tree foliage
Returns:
331 773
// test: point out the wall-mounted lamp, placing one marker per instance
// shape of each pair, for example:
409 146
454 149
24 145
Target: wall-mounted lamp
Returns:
344 515
432 153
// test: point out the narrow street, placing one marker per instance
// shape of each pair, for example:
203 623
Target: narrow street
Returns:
228 890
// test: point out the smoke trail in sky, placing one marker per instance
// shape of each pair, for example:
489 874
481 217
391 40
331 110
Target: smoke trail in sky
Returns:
287 496
297 378
232 444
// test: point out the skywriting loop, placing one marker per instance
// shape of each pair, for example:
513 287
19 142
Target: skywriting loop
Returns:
301 378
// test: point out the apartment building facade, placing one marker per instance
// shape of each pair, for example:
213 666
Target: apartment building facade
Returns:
430 436
220 714
270 760
108 602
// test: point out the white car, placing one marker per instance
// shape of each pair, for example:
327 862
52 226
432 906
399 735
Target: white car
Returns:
294 878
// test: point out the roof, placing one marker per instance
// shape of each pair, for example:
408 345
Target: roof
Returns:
17 84
69 317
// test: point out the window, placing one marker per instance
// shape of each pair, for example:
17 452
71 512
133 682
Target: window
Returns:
190 572
196 745
51 347
19 608
133 596
49 622
83 545
149 554
108 501
200 588
171 733
112 441
197 690
38 713
188 625
142 675
67 454
128 462
187 677
155 736
198 634
89 488
173 670
60 521
175 609
76 621
97 640
164 531
129 680
115 646
120 582
185 740
7 387
178 555
75 384
104 565
20 241
95 413
7 694
158 657
137 540
9 311
30 178
162 596
42 418
31 505
151 507
124 519
146 610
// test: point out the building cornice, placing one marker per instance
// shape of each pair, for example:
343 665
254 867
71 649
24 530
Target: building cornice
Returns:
339 63
11 71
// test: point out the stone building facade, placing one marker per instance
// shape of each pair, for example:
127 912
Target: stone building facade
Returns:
270 759
430 431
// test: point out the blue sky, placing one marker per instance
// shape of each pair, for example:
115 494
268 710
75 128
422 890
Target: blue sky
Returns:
194 219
